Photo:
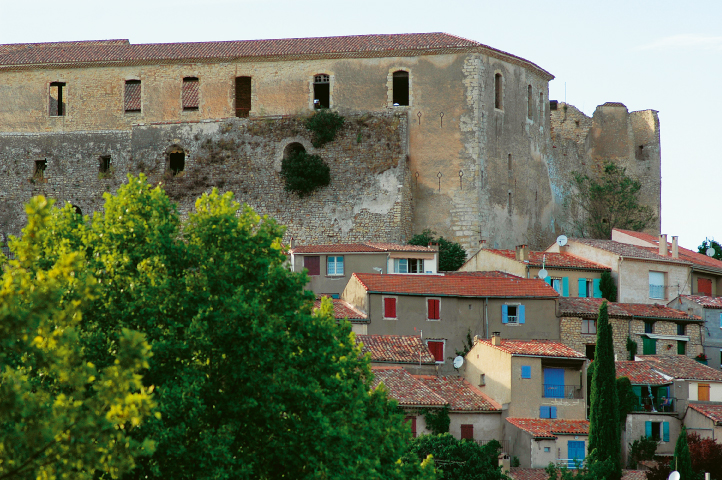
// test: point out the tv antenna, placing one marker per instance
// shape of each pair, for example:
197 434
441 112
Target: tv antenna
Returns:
543 272
562 240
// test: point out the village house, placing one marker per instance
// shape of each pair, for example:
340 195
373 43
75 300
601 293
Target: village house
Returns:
342 310
569 275
704 419
710 310
408 351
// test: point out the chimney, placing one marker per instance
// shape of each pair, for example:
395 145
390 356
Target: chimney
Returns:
522 252
435 248
663 245
293 243
482 244
496 338
675 247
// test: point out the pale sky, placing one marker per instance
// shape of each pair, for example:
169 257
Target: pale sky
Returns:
661 55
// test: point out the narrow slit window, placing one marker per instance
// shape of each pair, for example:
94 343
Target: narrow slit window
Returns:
243 96
104 165
509 161
190 94
321 91
530 103
498 93
132 96
40 166
57 99
400 89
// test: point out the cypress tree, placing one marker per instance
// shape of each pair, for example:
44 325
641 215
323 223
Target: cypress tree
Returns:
604 441
682 461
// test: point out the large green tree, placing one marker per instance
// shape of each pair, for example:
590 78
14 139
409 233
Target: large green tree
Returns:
249 381
607 201
61 415
682 460
604 439
459 459
451 254
714 245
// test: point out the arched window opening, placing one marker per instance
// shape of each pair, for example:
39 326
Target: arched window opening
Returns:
498 94
176 160
530 103
321 91
292 149
400 88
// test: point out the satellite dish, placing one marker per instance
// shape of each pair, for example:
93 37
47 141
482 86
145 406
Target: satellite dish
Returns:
562 240
458 362
710 253
673 476
543 273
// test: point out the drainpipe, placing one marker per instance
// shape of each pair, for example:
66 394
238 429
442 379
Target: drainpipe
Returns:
619 278
486 317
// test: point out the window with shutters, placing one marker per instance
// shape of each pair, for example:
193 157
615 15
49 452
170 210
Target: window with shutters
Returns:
512 316
703 392
312 263
132 96
243 96
526 371
589 326
704 286
557 285
467 432
334 266
389 308
436 347
411 421
190 94
648 327
57 99
433 306
547 412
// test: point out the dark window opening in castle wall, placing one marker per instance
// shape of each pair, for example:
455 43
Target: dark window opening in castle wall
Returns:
104 164
498 93
641 154
321 91
77 209
530 103
243 96
176 161
401 88
57 99
292 149
190 94
132 96
553 104
40 166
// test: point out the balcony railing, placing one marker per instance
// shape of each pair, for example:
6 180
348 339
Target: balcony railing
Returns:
572 463
655 405
561 391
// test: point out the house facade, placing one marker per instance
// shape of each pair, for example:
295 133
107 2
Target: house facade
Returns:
710 310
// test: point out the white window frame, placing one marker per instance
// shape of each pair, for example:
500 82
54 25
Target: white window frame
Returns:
588 322
335 262
443 354
558 280
655 286
427 309
383 307
509 317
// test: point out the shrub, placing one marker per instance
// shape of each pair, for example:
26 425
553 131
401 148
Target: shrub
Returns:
451 254
324 124
304 173
642 449
438 421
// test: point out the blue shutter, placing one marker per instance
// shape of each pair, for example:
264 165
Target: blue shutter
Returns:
544 412
520 313
339 265
553 412
665 431
648 429
597 290
525 371
548 279
582 287
504 314
565 286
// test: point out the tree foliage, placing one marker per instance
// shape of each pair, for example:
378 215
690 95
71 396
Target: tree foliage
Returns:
438 421
251 383
682 460
643 448
607 201
626 397
303 173
710 243
451 254
607 286
604 439
459 459
63 416
324 124
706 455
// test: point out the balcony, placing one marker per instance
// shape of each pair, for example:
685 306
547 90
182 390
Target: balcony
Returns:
655 405
561 391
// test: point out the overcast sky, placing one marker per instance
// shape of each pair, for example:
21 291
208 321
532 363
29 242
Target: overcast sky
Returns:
661 55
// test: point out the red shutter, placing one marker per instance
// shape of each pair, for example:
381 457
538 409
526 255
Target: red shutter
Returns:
313 265
467 432
704 286
412 422
389 307
433 309
437 350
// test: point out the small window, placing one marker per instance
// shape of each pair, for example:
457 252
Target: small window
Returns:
57 99
321 91
390 307
176 160
334 266
190 94
400 94
589 326
40 166
656 285
432 308
512 316
312 263
526 371
589 350
680 329
243 96
408 265
509 161
436 347
77 209
557 285
547 449
541 106
132 96
681 347
648 327
482 378
547 412
498 93
104 164
467 432
703 392
530 103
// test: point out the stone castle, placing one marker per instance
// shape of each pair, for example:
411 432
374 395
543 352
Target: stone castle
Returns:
441 132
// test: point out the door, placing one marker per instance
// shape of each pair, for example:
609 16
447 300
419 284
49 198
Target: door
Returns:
575 449
554 383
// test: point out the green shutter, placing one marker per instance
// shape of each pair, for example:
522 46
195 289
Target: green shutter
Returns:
582 289
681 347
597 290
649 346
648 429
665 431
565 286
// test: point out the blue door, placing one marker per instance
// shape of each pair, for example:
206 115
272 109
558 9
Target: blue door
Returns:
575 449
553 383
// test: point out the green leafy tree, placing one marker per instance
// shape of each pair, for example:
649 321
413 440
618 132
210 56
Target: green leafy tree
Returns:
641 449
604 439
608 287
303 173
324 124
607 201
251 383
706 455
708 243
62 416
459 459
626 397
451 254
438 421
682 460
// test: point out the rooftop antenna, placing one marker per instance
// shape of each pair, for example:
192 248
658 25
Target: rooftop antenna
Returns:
710 252
458 362
562 240
543 272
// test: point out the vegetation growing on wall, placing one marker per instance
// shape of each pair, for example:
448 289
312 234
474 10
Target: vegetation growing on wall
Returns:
451 254
324 124
458 459
304 173
438 421
632 347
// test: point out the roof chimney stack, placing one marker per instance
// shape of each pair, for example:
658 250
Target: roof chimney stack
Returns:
496 338
675 247
663 245
522 253
293 243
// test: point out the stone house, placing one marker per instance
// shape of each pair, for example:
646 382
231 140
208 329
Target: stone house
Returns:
450 308
330 267
569 275
541 387
709 309
656 329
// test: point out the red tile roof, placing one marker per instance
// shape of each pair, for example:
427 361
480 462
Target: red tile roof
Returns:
461 395
122 52
343 309
396 349
406 389
640 373
517 473
491 274
550 428
455 285
589 308
536 348
614 104
713 412
360 248
697 258
627 250
682 367
704 301
552 260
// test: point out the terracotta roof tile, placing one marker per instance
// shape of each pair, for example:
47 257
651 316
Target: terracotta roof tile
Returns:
552 259
705 301
455 285
550 428
406 389
626 250
343 309
713 412
537 348
614 104
692 256
360 248
640 373
491 274
682 367
589 307
517 473
460 394
396 349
